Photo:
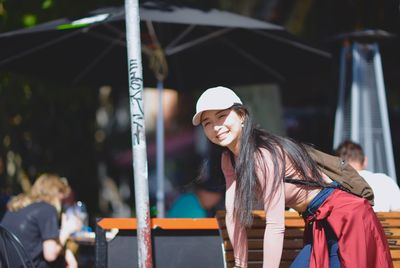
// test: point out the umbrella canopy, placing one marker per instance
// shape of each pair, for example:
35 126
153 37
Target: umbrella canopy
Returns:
202 48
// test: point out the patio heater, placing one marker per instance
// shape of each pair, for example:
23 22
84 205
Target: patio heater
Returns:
362 112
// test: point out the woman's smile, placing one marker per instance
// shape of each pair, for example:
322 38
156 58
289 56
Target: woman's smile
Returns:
222 135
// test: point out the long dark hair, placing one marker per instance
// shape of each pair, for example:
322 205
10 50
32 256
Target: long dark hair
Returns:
252 140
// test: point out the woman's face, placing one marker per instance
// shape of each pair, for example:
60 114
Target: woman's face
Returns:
223 127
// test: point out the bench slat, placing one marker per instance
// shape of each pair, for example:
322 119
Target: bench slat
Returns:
258 244
392 232
260 223
395 254
257 255
259 233
390 222
392 214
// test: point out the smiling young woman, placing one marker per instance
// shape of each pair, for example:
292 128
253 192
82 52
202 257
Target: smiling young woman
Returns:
276 172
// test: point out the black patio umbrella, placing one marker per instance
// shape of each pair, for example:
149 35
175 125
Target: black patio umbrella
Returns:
202 48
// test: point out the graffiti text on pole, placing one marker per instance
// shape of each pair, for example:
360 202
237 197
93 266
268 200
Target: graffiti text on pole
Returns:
135 95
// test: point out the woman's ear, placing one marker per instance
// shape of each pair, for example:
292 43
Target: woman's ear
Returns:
242 117
365 163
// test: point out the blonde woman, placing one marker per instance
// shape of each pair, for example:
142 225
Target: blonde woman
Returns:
34 218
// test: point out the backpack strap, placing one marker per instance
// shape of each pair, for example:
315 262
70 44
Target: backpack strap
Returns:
335 184
302 182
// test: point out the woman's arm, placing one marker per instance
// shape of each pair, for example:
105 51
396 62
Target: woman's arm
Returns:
274 230
237 234
53 248
274 206
70 259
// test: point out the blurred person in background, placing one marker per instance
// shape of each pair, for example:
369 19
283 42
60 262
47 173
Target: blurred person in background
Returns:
386 191
35 219
206 195
199 203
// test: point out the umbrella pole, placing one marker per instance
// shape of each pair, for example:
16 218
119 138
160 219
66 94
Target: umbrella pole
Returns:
138 133
160 152
158 64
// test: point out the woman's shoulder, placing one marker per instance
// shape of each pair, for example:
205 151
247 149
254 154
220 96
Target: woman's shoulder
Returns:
263 154
43 206
264 157
36 210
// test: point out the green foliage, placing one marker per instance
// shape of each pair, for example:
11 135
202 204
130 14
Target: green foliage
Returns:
50 126
16 14
46 4
29 20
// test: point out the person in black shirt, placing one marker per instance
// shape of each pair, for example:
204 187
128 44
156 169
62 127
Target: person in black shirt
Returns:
34 218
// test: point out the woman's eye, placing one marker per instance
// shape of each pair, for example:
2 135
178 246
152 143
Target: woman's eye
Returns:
221 116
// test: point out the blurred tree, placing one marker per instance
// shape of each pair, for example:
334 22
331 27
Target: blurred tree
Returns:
46 128
19 13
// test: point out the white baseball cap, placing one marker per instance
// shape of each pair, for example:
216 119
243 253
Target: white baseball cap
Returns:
215 98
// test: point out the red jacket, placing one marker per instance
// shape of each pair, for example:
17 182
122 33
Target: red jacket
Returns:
362 242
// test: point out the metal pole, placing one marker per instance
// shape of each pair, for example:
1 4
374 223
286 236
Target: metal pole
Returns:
383 108
355 95
160 152
160 69
139 153
339 117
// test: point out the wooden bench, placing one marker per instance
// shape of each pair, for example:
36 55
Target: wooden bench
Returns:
293 241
